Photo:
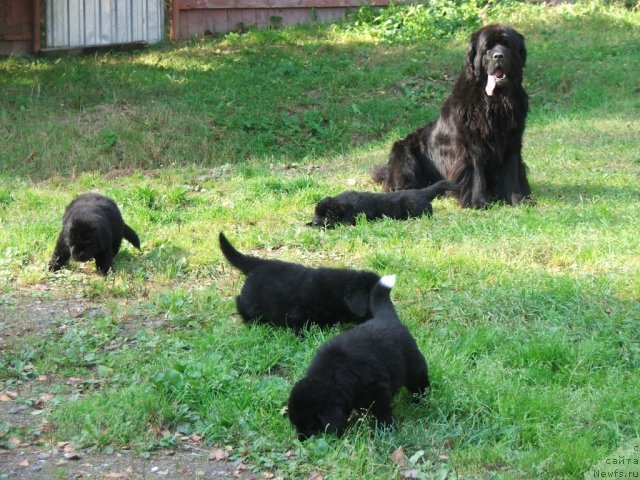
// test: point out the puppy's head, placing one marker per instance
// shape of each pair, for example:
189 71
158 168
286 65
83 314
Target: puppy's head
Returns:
317 406
329 211
83 240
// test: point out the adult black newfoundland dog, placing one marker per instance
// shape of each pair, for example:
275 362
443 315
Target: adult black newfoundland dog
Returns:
291 295
345 207
477 139
362 368
92 227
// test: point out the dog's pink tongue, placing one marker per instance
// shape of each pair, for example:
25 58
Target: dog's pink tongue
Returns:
491 84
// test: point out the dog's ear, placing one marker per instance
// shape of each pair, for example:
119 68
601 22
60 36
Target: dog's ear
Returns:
472 50
522 49
358 301
471 55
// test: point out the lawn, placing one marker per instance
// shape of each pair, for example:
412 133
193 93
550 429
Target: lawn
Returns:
528 316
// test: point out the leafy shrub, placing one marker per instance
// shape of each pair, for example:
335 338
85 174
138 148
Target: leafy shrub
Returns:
406 23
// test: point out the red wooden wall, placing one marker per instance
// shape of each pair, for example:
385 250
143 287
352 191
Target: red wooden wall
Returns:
19 26
199 17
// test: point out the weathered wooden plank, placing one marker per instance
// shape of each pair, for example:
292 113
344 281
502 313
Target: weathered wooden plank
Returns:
236 4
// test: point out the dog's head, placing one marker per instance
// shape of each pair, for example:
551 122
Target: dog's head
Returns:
317 406
330 211
496 56
84 240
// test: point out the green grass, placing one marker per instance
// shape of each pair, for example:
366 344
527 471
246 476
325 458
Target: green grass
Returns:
528 316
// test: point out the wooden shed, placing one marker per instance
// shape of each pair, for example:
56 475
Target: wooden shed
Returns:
19 26
201 17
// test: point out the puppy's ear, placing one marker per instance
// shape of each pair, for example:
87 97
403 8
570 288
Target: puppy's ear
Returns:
358 301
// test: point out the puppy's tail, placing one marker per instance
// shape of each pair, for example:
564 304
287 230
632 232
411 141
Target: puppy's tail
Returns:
380 302
244 263
131 236
439 188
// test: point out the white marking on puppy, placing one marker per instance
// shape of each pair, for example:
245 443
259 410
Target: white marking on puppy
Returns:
388 281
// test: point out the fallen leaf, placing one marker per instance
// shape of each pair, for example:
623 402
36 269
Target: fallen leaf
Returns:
316 476
218 454
24 463
45 397
13 442
239 468
411 473
61 445
116 475
399 458
267 475
195 438
7 396
69 447
43 378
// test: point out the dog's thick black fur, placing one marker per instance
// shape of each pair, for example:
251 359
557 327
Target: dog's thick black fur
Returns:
362 368
92 227
291 295
345 207
476 141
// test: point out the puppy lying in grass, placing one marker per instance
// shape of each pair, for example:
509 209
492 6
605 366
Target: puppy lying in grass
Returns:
291 295
400 205
361 368
92 227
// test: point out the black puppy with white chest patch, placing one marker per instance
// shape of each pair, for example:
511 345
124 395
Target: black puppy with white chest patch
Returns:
361 368
291 295
400 205
92 227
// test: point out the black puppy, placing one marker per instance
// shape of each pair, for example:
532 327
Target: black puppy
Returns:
92 227
290 295
398 205
361 368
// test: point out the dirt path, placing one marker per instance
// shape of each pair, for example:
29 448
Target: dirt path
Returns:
31 454
33 463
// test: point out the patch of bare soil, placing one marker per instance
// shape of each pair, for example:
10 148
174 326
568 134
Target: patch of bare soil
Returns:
189 462
32 315
30 452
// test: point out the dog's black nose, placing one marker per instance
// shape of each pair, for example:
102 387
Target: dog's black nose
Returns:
498 55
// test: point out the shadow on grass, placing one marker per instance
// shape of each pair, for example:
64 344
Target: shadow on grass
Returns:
166 259
576 193
291 96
